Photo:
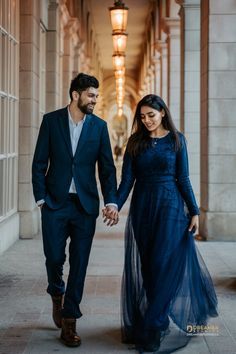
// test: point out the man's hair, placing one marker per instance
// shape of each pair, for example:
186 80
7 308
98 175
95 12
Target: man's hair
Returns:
81 82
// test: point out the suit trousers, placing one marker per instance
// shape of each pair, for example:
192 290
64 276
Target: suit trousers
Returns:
70 221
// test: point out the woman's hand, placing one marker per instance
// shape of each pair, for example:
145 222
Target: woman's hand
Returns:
110 215
194 225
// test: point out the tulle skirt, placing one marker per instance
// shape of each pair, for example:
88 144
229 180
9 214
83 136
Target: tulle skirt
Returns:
166 287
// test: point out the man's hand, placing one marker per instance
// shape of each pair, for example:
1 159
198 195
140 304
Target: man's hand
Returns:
110 215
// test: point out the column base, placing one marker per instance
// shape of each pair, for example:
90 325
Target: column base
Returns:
218 226
29 223
9 231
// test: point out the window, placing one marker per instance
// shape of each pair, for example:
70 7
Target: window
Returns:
42 89
9 102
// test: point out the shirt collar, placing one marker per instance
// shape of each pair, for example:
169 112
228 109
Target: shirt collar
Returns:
71 120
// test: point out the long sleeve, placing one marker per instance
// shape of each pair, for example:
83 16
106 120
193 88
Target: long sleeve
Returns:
40 162
183 181
106 169
127 180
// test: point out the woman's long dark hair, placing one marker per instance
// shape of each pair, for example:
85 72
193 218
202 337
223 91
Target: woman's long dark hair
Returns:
140 138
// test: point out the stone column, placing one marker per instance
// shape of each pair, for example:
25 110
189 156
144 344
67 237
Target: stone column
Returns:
173 29
75 46
29 112
151 78
67 67
164 72
157 73
218 127
190 86
162 48
52 58
76 61
85 61
71 50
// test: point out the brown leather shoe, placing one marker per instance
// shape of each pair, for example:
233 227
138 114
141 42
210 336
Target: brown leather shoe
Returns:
57 304
68 333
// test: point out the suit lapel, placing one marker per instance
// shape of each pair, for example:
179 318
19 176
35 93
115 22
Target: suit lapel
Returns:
85 133
64 125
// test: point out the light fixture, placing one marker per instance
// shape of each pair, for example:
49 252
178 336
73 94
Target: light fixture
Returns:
118 61
120 101
120 112
120 80
119 16
120 88
119 42
119 73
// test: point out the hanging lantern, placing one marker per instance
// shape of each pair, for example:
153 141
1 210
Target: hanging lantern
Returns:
119 42
120 112
119 73
119 16
118 61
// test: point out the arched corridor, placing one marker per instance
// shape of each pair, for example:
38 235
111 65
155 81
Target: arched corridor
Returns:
182 50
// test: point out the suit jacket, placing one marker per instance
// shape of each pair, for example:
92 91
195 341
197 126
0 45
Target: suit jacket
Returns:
54 164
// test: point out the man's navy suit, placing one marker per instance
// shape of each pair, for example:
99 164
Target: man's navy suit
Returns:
65 215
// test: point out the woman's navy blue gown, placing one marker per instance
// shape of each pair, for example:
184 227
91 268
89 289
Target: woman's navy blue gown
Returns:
166 286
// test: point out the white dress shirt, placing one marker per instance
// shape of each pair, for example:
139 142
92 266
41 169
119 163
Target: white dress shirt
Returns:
75 132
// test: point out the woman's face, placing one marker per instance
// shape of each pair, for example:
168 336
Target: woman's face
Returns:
151 118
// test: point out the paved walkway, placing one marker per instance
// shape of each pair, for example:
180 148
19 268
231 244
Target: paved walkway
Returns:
26 326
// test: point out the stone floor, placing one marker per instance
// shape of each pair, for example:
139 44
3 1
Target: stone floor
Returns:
25 309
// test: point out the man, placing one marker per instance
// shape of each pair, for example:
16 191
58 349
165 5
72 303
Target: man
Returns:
71 141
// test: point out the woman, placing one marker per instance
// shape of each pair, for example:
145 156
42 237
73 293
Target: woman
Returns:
164 276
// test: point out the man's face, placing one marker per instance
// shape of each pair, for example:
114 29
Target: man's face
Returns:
87 100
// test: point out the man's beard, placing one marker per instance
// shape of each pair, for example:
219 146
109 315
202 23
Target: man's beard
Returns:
85 108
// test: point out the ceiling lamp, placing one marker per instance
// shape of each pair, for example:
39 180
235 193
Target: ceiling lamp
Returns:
119 16
120 80
120 112
119 73
118 61
119 42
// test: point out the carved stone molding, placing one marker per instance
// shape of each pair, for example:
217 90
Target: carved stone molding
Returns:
185 3
171 26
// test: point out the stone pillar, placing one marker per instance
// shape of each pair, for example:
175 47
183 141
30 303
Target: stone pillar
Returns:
75 47
151 79
85 61
164 73
67 67
162 48
71 41
218 129
29 112
146 85
52 58
76 61
190 86
157 73
173 29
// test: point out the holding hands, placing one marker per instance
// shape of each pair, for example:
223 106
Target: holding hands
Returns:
110 215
